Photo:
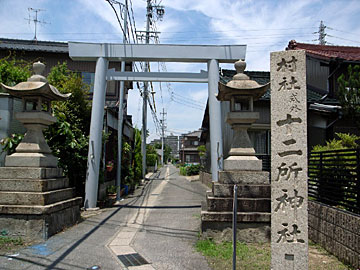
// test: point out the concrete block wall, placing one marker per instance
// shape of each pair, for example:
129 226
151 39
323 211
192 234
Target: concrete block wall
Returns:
337 231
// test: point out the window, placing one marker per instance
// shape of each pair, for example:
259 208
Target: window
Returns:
111 87
89 78
188 158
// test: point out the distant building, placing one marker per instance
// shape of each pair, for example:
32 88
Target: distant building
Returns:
174 143
189 152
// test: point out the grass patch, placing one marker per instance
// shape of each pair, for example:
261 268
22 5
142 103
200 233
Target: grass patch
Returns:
9 243
251 256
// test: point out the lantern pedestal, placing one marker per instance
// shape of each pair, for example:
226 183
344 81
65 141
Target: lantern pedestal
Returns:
33 150
242 154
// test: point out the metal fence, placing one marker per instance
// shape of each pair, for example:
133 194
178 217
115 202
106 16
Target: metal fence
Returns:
334 178
266 161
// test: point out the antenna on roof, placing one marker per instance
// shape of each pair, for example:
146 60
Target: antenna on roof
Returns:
35 19
322 34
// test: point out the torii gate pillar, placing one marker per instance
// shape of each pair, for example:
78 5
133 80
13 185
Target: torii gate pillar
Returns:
216 143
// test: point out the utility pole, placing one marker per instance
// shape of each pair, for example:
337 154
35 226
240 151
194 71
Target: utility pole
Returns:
149 15
162 135
145 92
121 111
35 19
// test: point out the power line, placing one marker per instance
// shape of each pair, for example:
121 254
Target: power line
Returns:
189 99
111 2
343 38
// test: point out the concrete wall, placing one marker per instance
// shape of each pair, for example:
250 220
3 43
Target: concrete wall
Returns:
337 231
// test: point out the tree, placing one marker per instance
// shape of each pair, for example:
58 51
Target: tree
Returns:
137 157
167 150
349 93
151 155
13 71
68 137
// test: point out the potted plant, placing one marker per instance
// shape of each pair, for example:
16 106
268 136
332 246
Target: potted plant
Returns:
110 166
111 192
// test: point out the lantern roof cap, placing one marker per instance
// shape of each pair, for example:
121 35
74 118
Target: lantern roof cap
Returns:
241 85
36 86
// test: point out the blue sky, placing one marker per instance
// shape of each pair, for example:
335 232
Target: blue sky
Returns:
262 25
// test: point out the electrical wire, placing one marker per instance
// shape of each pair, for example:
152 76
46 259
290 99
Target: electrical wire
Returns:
117 16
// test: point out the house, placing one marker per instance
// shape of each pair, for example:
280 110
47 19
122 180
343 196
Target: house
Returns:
51 53
189 152
324 64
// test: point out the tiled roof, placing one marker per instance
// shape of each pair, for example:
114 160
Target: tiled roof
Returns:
196 133
31 45
327 52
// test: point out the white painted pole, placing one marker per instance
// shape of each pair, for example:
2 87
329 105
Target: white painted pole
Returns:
96 127
216 144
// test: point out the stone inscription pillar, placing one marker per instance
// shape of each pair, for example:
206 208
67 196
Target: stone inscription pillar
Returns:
289 216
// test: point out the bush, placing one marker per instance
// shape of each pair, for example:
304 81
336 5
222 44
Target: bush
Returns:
192 169
182 170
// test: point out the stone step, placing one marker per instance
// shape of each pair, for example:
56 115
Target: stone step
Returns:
39 209
243 177
241 216
30 173
219 204
244 191
33 185
35 198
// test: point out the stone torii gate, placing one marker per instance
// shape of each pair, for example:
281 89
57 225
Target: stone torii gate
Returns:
103 53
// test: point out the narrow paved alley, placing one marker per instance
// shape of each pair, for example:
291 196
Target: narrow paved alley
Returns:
158 224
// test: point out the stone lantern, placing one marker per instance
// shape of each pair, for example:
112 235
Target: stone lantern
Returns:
36 200
241 92
36 94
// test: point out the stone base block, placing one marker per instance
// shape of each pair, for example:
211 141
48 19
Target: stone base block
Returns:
219 204
35 222
39 227
35 198
244 191
39 209
31 160
244 177
246 232
34 185
30 173
245 163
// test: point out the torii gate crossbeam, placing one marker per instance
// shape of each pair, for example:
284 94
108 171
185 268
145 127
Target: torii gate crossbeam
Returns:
103 53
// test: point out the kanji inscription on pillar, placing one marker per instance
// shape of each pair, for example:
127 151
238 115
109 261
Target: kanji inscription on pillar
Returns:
289 217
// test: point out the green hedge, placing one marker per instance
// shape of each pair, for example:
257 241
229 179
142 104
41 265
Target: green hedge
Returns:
193 169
